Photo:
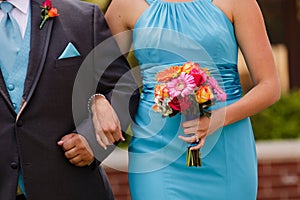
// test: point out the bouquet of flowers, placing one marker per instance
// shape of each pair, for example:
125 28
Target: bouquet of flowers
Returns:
190 90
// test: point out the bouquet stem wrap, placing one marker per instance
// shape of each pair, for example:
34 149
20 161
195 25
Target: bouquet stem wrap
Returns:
193 157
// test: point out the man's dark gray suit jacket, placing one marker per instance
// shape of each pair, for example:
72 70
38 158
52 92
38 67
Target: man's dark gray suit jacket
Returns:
29 138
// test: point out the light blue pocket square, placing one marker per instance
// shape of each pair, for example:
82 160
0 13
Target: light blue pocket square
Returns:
69 52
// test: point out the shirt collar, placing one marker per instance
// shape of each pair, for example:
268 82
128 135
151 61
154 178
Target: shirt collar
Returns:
21 5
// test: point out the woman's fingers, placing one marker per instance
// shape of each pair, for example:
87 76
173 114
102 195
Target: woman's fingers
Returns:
190 139
201 143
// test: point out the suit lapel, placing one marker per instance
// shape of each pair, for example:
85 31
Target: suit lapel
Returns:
39 44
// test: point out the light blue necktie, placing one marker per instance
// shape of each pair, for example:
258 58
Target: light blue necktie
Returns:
10 38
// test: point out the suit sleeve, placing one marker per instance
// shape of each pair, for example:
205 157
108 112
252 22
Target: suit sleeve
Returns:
111 76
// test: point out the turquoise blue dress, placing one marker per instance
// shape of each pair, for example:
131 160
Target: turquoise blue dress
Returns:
171 33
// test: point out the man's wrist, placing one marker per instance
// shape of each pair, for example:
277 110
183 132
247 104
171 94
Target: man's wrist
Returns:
94 164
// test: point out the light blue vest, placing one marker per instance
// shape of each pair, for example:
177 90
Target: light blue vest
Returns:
14 78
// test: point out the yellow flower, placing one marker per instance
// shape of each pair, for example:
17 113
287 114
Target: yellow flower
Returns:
204 94
188 66
162 91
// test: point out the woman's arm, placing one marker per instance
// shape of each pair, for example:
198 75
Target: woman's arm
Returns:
254 43
116 18
255 46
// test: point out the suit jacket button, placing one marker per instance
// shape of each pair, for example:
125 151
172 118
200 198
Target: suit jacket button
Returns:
14 165
19 123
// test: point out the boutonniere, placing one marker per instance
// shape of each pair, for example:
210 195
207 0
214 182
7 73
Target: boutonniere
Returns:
47 12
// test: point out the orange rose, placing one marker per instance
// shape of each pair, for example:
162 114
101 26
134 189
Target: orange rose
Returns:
155 108
53 12
204 94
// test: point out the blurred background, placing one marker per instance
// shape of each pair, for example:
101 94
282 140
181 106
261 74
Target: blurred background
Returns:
276 129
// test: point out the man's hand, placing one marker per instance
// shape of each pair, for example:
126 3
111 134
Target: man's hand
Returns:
106 122
77 149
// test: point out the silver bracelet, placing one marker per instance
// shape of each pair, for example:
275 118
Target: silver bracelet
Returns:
92 99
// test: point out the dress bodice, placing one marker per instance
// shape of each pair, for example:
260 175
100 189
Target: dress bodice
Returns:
171 33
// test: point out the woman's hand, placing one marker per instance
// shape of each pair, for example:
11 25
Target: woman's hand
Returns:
196 130
200 128
106 122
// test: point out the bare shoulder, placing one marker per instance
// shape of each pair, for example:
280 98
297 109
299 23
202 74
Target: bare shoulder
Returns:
245 9
119 4
243 3
233 9
126 11
117 9
226 6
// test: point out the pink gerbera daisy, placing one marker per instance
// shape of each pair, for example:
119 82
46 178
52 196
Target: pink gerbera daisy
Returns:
181 86
221 95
